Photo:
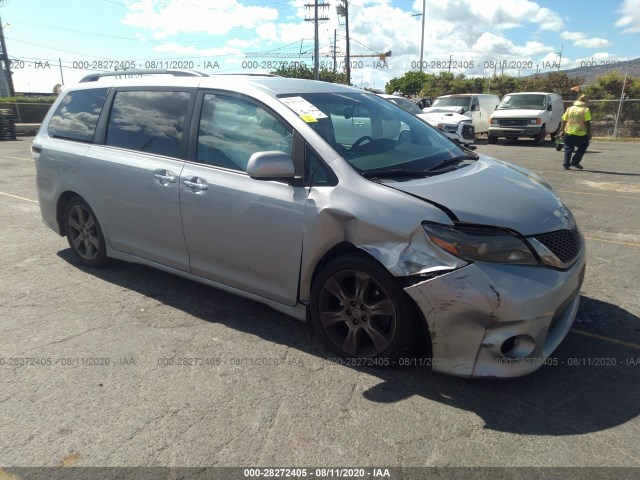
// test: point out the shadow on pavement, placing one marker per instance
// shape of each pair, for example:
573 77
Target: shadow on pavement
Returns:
588 385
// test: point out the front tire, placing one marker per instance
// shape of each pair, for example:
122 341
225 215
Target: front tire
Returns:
359 310
492 139
84 234
539 139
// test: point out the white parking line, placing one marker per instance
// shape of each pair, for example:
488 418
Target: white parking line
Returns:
600 194
635 346
16 158
20 198
612 241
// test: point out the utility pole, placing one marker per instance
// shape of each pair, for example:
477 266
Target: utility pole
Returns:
6 64
424 6
335 63
316 19
343 11
560 54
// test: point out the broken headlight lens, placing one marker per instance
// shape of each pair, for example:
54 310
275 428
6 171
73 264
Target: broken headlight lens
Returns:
484 244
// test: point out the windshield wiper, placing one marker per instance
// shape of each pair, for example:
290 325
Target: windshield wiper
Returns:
451 161
393 172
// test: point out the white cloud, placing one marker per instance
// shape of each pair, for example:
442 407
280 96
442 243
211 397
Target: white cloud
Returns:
629 19
580 39
492 15
213 17
463 31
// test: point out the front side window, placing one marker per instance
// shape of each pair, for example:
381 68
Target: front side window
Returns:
148 121
77 115
232 129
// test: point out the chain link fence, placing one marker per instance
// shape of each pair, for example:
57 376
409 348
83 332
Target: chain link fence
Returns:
26 112
613 118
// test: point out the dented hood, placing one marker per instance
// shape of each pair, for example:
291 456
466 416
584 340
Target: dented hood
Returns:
491 192
452 109
441 117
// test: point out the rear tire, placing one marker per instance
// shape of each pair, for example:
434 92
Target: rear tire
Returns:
359 310
84 234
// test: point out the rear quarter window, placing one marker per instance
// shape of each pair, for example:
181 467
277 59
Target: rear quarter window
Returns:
77 115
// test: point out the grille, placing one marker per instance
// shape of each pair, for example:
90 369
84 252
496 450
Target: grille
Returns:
565 244
513 122
468 132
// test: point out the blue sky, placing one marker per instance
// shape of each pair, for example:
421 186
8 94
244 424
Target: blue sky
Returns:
475 37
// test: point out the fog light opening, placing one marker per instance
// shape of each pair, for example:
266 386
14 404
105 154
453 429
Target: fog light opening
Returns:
518 346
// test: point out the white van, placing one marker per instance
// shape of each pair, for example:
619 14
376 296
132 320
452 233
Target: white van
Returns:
527 114
477 106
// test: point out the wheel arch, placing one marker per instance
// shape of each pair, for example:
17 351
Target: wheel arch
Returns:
61 207
344 248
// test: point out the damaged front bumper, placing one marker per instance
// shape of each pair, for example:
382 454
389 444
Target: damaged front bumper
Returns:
496 320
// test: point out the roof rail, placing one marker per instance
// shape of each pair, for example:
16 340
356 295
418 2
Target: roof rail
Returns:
93 77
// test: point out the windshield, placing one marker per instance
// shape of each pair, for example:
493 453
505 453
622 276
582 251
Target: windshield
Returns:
405 104
373 134
463 102
527 102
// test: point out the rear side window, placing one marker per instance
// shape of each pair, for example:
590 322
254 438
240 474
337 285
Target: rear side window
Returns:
77 115
148 121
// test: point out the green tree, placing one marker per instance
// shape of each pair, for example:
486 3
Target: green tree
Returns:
408 84
300 70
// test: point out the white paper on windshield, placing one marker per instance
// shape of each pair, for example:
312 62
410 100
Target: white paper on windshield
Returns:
307 111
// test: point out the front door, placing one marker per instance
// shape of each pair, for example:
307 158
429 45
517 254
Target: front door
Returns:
241 232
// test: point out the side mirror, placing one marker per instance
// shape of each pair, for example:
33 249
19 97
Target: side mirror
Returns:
271 166
549 107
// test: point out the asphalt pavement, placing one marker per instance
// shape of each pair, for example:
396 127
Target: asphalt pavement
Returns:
129 366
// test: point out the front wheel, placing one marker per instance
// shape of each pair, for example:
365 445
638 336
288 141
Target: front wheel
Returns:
539 138
492 139
359 310
84 234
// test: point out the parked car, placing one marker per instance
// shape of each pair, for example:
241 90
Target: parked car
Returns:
527 114
263 187
455 126
476 106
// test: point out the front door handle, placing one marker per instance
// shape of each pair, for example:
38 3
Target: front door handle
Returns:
165 177
196 184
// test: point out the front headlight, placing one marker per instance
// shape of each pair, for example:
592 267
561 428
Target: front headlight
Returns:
447 127
484 244
535 121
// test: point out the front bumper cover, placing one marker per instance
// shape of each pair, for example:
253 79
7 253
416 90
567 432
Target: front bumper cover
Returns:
513 132
473 311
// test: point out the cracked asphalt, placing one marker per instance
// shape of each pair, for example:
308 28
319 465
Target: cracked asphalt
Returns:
89 372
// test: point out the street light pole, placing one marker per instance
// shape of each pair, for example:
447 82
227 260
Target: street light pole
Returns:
424 3
346 15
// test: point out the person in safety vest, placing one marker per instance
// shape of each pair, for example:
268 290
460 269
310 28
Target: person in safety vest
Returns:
576 130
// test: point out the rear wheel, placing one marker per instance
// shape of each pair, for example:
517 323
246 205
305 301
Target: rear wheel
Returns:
359 310
84 234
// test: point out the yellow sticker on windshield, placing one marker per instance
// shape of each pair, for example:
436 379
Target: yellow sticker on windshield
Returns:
308 118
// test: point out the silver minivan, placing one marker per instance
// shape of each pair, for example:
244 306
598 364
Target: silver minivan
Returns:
262 186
